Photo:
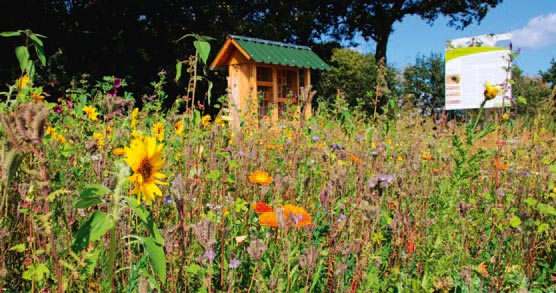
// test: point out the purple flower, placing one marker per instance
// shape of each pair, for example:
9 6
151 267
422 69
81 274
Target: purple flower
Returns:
112 92
500 192
119 112
168 199
341 218
117 82
69 104
315 138
210 255
234 263
58 109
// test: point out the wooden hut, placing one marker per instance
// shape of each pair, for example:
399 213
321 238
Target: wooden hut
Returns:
265 75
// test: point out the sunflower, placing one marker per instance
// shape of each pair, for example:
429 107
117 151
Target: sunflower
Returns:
205 120
144 157
158 130
178 126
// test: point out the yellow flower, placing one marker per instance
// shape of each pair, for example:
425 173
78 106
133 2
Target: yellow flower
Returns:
61 139
37 98
22 82
100 139
134 117
205 120
144 157
51 131
491 91
91 112
178 126
158 130
260 177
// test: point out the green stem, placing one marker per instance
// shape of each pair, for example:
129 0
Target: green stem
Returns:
112 258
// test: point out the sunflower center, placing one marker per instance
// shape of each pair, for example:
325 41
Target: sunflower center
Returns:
145 169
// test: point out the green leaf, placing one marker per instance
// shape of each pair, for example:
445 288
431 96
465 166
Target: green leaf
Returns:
94 228
203 48
19 247
546 209
156 257
515 221
192 268
542 227
530 201
10 34
90 195
40 53
522 100
209 91
22 54
178 70
36 272
36 40
214 174
146 219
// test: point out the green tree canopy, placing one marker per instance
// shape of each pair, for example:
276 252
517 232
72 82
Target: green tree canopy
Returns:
374 19
424 82
354 78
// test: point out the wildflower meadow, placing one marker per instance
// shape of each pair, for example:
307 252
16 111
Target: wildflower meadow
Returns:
101 195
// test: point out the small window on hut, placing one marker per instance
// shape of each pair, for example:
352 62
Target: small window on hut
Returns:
264 74
265 97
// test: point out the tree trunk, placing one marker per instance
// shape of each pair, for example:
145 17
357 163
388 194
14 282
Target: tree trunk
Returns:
382 42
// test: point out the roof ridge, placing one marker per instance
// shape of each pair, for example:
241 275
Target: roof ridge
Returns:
268 42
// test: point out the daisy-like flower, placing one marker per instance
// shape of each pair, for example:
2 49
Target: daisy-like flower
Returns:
144 156
298 214
158 130
261 207
37 98
91 112
206 120
51 131
491 91
100 139
134 117
61 139
260 177
178 127
426 157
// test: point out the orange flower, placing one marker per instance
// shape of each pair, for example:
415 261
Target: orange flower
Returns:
354 159
426 157
483 270
261 207
118 151
499 165
299 215
260 177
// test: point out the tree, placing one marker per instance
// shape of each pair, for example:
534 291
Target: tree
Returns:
424 82
535 91
549 76
354 78
374 19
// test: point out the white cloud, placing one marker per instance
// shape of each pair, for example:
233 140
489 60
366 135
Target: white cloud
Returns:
539 32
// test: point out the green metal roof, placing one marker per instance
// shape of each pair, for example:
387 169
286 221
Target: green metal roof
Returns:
269 52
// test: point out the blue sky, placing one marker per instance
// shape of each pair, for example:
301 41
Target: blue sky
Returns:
531 22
